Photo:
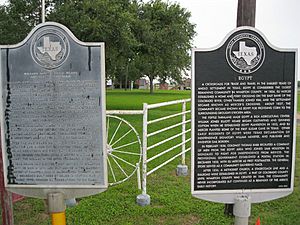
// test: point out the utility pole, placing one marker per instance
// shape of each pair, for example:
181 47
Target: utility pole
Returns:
246 13
245 17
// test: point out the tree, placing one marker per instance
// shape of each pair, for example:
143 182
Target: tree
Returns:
109 21
165 35
13 28
19 17
150 39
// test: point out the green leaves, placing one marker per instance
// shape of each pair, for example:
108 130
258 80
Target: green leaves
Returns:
165 37
109 21
152 39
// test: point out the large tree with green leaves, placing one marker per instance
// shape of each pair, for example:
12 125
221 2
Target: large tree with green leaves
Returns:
109 21
165 35
151 39
18 17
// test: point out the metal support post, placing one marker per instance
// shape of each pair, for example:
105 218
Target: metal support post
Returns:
183 132
242 210
182 170
145 132
7 207
57 208
43 11
5 197
144 199
245 17
138 172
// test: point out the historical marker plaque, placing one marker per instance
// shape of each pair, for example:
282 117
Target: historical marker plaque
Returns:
244 107
53 114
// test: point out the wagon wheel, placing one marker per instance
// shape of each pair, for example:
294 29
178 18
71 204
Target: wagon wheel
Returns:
123 149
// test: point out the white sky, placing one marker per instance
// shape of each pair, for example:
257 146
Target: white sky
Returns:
278 20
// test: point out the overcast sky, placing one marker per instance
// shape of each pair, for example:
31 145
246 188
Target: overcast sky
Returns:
278 20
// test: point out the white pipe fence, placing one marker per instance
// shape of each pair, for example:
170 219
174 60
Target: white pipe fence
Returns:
142 183
146 135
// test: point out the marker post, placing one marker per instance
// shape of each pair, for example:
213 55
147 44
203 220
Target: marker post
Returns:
57 208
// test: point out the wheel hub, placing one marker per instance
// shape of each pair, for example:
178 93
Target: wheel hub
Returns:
109 149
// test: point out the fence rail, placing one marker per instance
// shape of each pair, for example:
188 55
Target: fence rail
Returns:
124 112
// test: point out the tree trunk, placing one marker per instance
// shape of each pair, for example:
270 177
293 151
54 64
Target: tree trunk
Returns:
112 83
246 13
126 82
151 85
126 76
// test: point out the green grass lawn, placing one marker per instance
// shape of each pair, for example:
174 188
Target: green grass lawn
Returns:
171 200
116 99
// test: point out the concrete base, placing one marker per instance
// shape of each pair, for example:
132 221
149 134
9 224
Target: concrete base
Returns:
70 202
242 209
182 170
143 200
56 203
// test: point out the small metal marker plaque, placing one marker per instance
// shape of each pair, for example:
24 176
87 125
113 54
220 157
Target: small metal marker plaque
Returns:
244 119
53 114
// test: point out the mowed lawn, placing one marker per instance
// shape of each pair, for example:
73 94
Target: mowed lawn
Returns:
171 200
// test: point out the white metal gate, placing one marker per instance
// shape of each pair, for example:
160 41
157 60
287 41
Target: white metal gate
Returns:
179 147
146 135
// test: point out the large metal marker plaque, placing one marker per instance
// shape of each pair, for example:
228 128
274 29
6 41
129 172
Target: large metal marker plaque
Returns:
244 97
53 114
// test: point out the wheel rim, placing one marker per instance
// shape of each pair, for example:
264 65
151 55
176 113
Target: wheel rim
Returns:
123 150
